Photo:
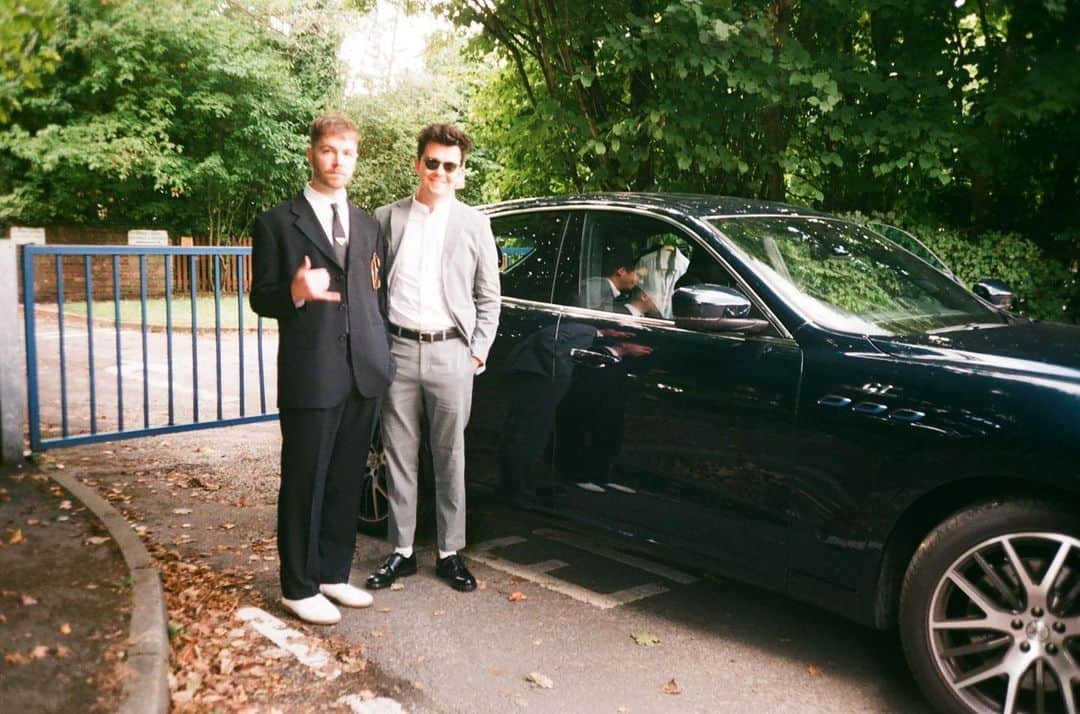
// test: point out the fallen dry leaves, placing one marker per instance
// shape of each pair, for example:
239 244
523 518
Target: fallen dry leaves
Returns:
672 687
517 596
539 681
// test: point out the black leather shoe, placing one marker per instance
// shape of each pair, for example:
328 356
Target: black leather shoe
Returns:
394 567
452 568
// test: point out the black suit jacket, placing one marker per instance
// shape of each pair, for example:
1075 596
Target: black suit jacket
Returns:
547 353
315 340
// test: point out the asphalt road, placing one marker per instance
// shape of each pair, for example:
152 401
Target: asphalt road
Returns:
728 647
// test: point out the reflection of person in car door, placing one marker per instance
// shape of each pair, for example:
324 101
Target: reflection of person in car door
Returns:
541 367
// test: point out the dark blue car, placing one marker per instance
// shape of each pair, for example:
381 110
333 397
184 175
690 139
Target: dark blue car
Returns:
796 401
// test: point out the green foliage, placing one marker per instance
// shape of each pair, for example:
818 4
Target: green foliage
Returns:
189 115
27 52
389 123
1044 286
960 113
389 120
1040 283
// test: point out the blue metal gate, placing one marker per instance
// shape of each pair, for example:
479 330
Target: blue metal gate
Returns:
72 396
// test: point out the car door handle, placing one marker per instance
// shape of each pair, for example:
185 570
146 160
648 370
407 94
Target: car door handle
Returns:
870 408
591 358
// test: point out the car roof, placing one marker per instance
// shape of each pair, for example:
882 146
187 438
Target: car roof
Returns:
691 204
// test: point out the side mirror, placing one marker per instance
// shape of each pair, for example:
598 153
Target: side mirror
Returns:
995 292
714 308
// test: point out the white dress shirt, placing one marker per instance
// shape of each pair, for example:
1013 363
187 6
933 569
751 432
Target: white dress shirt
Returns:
321 204
417 300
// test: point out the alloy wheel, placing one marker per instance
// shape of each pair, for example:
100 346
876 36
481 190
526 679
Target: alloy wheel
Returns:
1004 624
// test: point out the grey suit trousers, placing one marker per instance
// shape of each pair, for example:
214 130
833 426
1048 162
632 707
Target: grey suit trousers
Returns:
433 379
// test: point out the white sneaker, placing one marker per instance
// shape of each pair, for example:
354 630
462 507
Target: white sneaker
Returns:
315 609
346 594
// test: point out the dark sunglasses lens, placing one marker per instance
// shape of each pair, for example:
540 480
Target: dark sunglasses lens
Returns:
432 164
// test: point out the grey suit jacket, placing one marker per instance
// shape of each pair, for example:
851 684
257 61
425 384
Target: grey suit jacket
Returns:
470 268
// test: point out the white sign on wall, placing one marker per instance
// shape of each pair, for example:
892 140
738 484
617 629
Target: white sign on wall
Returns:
21 235
148 237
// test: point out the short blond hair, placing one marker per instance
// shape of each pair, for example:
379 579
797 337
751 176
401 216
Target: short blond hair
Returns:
331 124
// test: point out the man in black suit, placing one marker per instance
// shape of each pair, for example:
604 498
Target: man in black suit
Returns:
318 270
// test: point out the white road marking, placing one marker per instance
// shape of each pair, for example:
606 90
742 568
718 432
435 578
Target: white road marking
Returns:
603 601
377 705
539 573
548 565
292 641
675 576
496 543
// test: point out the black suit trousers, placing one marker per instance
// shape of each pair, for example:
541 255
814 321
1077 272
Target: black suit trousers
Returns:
323 456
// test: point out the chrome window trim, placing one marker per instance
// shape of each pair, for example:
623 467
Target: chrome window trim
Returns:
603 206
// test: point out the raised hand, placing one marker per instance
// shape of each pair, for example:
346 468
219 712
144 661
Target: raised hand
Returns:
311 284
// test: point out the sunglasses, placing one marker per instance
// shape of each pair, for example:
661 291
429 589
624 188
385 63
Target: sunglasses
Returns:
433 164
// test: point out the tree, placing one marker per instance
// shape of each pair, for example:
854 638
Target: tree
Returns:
185 114
27 53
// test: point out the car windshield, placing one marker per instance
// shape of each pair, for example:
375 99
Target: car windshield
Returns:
849 278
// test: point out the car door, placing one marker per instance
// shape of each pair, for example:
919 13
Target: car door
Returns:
501 421
673 435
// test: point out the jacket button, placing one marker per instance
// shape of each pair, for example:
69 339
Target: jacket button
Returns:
341 338
341 306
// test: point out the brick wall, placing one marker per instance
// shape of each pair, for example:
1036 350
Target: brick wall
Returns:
73 269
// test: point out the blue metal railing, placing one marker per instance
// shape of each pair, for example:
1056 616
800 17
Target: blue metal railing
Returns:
161 411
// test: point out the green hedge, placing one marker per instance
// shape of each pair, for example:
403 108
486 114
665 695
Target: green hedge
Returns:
1045 288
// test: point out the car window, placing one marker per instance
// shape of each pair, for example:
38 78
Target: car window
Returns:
632 264
850 278
528 246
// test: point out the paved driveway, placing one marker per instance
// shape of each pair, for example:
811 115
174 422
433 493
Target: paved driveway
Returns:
720 646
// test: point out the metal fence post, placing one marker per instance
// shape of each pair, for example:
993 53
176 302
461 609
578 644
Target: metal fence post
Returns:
12 358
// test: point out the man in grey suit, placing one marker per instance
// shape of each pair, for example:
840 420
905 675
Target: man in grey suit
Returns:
443 279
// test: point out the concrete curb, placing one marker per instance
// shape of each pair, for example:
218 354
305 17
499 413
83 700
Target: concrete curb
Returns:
147 689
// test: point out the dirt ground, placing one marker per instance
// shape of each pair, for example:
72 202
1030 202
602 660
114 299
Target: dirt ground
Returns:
65 600
204 505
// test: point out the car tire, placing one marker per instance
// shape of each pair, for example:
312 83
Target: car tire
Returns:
374 515
979 635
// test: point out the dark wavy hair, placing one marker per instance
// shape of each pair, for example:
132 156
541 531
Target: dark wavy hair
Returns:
445 134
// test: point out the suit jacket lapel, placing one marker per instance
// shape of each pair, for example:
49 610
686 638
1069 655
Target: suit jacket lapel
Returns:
308 225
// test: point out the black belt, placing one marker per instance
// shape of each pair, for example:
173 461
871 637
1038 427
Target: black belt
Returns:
424 336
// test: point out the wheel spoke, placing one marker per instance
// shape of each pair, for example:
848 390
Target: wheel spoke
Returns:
1066 602
1011 690
976 596
977 647
1018 566
1040 688
1055 568
981 674
995 579
969 623
1070 700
